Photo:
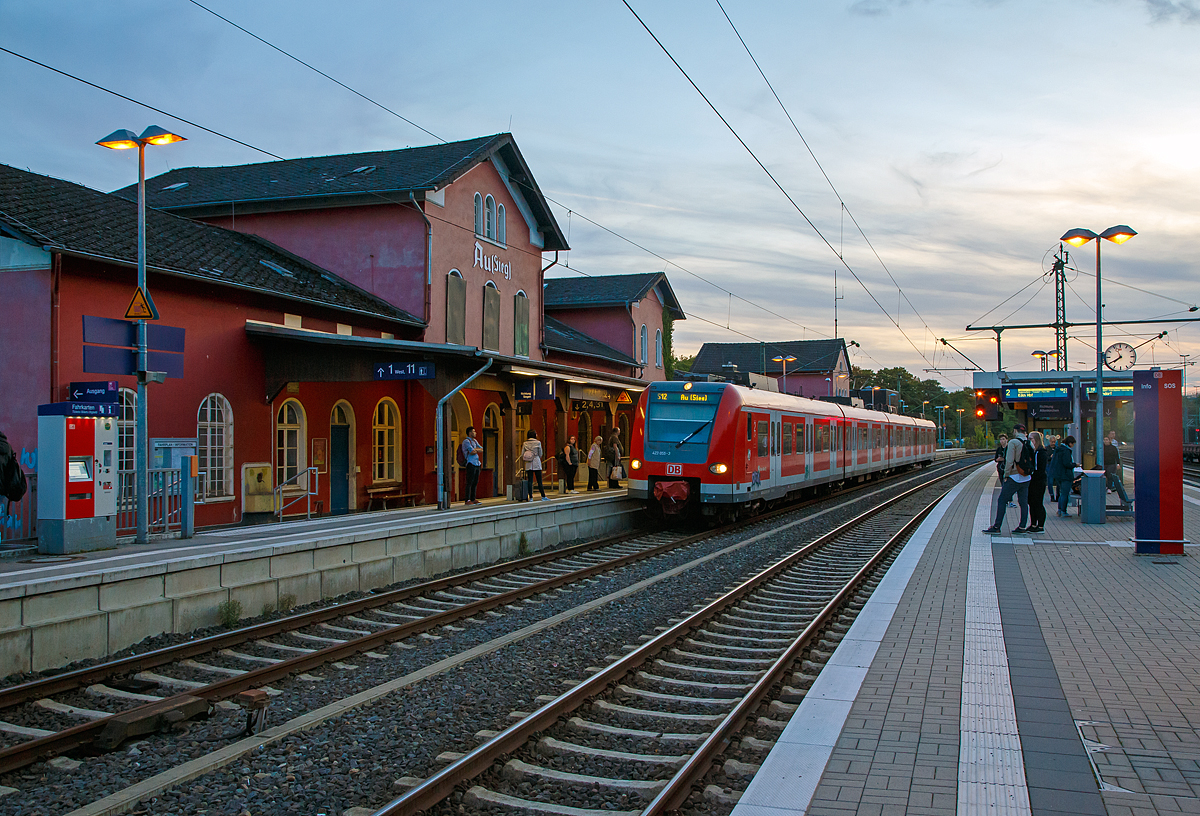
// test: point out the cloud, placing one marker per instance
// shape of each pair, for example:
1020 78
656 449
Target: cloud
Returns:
1185 11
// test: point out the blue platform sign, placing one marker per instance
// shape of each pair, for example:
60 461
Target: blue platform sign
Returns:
405 371
80 409
1037 393
104 391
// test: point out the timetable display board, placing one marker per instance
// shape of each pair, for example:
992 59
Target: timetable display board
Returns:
1158 458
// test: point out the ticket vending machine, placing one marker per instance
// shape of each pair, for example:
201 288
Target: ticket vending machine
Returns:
77 477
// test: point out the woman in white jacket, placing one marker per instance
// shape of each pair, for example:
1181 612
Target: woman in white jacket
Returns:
531 455
593 462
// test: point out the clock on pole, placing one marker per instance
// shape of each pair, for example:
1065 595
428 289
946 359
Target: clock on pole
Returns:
1120 357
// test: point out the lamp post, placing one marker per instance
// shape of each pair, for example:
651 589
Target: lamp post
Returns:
943 408
785 361
1041 355
923 404
960 413
126 140
1077 238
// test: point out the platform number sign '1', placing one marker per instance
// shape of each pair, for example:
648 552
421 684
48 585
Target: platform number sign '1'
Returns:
1158 452
404 371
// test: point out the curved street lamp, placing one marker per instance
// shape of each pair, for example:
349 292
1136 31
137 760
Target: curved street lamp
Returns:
127 140
1077 238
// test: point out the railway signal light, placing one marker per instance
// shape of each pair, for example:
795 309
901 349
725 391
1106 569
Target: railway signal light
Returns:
987 404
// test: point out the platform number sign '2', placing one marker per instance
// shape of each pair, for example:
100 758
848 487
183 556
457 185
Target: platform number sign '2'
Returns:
674 470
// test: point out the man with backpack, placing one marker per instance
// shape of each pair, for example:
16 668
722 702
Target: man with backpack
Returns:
1018 468
12 478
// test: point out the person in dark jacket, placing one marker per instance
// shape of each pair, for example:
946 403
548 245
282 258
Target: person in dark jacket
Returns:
1113 475
1037 484
1062 472
1001 448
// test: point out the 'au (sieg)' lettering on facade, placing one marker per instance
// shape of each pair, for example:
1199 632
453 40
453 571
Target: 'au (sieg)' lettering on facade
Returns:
492 263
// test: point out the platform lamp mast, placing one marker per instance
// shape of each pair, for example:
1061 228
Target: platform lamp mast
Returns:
126 140
1077 238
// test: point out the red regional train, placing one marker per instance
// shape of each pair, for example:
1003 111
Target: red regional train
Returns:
722 450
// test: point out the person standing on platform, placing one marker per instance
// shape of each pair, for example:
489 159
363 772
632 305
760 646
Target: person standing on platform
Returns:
1062 472
1051 444
613 454
570 464
1001 447
1113 475
531 455
593 462
1016 481
470 454
1037 484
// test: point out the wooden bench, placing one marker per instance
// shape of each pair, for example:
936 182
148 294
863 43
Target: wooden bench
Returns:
383 493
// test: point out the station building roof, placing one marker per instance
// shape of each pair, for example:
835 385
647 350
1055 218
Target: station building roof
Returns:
609 290
378 177
561 337
61 216
812 356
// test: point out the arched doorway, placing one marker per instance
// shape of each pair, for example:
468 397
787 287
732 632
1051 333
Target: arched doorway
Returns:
343 482
460 420
493 443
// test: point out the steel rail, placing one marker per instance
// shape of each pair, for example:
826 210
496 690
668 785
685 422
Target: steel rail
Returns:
673 796
82 735
69 681
475 762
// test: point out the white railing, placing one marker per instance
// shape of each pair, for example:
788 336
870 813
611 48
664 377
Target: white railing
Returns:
309 487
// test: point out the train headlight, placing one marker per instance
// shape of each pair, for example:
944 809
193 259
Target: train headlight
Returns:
636 464
719 467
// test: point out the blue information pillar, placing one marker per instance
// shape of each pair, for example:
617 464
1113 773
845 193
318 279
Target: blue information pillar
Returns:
1158 458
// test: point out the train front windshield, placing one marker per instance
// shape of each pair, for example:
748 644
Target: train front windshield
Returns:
681 423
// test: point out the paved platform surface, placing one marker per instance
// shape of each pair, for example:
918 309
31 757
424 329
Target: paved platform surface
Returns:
1035 674
32 568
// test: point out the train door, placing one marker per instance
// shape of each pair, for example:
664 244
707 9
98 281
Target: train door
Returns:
776 474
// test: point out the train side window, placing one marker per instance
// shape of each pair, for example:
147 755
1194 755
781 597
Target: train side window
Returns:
787 438
764 438
749 425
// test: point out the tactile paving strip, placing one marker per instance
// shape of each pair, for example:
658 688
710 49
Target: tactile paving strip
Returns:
991 767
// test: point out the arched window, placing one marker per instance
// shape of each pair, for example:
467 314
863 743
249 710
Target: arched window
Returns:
489 218
491 316
501 227
478 214
658 349
456 308
643 355
214 434
289 441
521 324
385 448
127 444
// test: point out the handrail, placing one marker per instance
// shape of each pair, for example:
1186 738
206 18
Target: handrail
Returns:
310 490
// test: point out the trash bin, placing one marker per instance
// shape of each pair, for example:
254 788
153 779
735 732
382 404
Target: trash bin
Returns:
1092 490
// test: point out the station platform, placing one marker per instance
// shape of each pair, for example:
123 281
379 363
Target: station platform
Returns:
1054 673
58 609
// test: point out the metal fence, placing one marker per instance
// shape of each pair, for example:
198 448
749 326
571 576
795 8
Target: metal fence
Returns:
18 521
165 505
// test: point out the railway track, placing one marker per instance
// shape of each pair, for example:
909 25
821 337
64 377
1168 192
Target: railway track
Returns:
639 735
213 669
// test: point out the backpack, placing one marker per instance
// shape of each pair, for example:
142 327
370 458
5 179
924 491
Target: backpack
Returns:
527 455
1025 463
461 456
12 478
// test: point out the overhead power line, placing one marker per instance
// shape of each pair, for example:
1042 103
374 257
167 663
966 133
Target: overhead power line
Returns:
774 180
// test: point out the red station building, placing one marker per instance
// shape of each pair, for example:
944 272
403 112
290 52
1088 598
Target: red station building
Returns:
305 287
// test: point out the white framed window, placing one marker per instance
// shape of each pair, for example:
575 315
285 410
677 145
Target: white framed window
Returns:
127 445
501 226
290 441
658 349
489 218
385 442
214 433
643 356
478 214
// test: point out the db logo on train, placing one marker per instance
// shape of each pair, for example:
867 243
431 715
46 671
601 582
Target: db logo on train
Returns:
674 470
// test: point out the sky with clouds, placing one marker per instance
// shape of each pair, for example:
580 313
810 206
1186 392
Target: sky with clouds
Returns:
963 137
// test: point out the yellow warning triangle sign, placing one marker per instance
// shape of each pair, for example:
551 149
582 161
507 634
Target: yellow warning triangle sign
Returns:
624 399
141 307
